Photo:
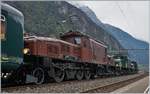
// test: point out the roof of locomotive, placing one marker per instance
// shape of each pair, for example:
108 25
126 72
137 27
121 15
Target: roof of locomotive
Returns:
99 43
13 12
73 33
77 33
34 38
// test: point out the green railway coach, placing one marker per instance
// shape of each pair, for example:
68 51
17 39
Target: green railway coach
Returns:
12 26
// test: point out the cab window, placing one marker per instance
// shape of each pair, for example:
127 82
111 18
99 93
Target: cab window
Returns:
3 27
77 40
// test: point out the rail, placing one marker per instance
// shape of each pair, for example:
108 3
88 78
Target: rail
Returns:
111 87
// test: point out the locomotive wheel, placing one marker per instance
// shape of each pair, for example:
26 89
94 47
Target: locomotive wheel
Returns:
70 74
79 75
39 73
87 75
59 75
100 71
20 76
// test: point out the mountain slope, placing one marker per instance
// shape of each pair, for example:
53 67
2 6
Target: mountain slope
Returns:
138 50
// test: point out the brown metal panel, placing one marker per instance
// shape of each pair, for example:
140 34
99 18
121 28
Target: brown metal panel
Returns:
41 48
98 52
86 55
53 50
68 50
77 52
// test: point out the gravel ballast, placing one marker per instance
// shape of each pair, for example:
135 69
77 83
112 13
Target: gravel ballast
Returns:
67 86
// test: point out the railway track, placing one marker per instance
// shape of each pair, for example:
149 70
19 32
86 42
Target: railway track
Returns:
13 85
113 86
147 90
66 86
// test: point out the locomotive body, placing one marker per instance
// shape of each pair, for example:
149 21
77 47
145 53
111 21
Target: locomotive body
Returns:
36 59
52 48
79 54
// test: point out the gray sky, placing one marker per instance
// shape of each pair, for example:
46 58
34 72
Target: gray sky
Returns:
130 16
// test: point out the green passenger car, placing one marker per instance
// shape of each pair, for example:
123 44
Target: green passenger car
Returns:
12 26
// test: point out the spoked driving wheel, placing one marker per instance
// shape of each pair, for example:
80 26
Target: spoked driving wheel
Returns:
79 75
59 75
87 75
39 74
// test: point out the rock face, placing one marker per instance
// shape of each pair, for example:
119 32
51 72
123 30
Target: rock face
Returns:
138 50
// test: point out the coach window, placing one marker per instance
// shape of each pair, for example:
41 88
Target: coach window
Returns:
3 27
77 40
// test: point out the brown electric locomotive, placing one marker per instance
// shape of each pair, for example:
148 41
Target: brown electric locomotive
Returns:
75 55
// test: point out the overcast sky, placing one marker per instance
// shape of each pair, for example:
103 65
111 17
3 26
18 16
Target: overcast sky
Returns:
130 16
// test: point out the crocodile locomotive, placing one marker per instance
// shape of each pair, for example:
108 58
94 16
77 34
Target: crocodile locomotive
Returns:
26 59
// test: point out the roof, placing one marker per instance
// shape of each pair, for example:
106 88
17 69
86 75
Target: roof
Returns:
34 38
73 33
77 33
13 12
11 9
97 42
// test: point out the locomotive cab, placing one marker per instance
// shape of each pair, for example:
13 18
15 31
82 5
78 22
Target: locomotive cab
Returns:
72 37
88 47
82 40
